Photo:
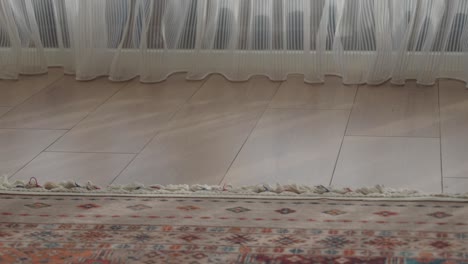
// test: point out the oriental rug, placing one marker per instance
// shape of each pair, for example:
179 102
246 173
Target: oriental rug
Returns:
105 229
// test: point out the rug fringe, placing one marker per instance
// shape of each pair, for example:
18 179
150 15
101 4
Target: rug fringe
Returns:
263 190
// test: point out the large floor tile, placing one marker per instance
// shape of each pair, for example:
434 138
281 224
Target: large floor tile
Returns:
456 185
390 110
201 141
129 119
197 149
295 93
19 146
100 168
397 162
62 105
290 146
454 128
14 92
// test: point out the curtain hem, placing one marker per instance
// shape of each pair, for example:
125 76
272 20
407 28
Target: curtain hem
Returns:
207 75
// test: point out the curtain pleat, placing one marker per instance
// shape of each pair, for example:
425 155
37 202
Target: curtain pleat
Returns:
363 41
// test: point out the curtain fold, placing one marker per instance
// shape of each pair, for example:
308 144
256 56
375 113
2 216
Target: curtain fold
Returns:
363 41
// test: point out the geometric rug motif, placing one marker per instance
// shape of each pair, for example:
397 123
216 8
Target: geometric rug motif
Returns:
105 230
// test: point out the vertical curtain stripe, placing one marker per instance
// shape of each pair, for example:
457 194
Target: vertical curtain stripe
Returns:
363 41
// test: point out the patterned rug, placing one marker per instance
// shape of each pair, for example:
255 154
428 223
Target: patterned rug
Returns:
115 229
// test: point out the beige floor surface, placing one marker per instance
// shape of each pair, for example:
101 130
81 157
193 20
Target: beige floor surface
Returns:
215 132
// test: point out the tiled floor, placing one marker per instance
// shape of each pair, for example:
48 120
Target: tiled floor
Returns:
214 132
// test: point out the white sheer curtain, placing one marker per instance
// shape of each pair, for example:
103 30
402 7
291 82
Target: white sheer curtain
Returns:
364 41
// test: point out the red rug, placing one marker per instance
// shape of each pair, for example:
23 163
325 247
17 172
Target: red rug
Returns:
104 229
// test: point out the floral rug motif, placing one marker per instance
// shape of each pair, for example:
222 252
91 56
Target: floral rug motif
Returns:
105 230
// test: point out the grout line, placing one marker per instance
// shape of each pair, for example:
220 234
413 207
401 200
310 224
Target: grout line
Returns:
123 169
88 152
465 178
22 167
344 135
66 131
440 139
390 136
29 128
157 133
307 108
29 98
32 95
4 113
128 83
274 95
91 111
250 133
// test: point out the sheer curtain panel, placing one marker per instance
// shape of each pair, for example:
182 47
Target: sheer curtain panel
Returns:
363 41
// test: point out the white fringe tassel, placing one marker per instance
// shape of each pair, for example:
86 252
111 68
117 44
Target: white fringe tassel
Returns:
198 190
